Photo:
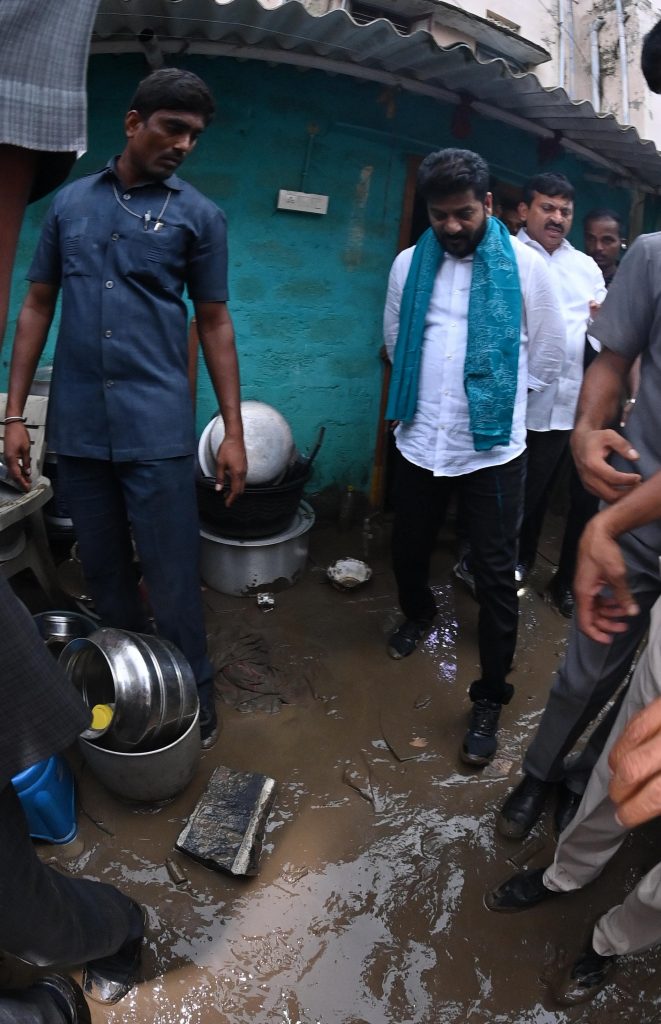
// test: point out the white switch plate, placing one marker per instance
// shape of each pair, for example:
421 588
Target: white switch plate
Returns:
304 202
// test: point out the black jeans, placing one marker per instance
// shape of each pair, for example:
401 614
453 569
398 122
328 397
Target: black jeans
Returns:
492 501
546 449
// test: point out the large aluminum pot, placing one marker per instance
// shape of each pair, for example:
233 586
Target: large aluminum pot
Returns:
150 776
244 567
148 680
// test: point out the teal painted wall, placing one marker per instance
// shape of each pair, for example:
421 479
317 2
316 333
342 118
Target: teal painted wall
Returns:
307 291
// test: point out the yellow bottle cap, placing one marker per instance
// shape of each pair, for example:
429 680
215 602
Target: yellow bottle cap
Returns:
101 716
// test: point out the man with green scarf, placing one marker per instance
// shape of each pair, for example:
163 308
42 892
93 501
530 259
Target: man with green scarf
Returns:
471 324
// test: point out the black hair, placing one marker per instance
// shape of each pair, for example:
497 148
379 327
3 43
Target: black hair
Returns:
603 213
173 89
650 58
548 184
448 171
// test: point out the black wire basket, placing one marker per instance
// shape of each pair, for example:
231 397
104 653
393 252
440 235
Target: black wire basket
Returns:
258 512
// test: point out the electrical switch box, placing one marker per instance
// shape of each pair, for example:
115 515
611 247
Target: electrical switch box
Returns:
304 202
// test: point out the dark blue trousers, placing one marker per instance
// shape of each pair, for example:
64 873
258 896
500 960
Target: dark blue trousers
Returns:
492 502
156 503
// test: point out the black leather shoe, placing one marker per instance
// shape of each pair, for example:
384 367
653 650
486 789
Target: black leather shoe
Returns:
521 891
480 744
560 596
523 807
566 806
67 995
587 976
110 978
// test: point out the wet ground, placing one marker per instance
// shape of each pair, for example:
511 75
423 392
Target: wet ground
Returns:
367 908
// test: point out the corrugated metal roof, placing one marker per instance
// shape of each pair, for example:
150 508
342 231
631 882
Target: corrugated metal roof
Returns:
334 42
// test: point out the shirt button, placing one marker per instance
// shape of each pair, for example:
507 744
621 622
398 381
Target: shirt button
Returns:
107 334
109 383
127 195
110 284
114 236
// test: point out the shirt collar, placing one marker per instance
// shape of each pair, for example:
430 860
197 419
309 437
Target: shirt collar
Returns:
524 237
172 182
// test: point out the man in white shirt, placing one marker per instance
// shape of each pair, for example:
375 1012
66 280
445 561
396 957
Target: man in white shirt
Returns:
472 324
548 210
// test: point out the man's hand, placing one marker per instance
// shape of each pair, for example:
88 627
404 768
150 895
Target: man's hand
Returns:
591 449
601 589
17 454
231 462
635 761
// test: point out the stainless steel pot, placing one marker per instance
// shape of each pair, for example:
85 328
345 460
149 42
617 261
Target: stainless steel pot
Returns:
242 567
150 776
148 680
57 629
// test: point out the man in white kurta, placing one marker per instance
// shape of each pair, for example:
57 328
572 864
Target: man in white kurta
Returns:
436 446
548 208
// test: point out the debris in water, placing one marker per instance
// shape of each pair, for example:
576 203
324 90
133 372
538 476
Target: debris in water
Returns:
360 783
175 872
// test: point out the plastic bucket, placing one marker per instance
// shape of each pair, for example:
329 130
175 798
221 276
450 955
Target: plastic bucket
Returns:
47 795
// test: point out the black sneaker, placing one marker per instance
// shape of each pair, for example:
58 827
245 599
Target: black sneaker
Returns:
463 572
110 978
480 742
209 728
406 637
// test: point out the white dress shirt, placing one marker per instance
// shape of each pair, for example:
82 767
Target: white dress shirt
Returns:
439 437
578 281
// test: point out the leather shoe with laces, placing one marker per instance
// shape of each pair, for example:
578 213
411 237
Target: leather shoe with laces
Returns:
480 744
567 804
521 891
586 976
404 640
523 807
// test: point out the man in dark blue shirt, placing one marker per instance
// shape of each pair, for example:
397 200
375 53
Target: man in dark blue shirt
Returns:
122 245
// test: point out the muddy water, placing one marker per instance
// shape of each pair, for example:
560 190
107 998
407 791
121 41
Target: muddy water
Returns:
368 905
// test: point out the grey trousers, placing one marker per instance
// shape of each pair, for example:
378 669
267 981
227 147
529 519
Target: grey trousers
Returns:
588 677
594 835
